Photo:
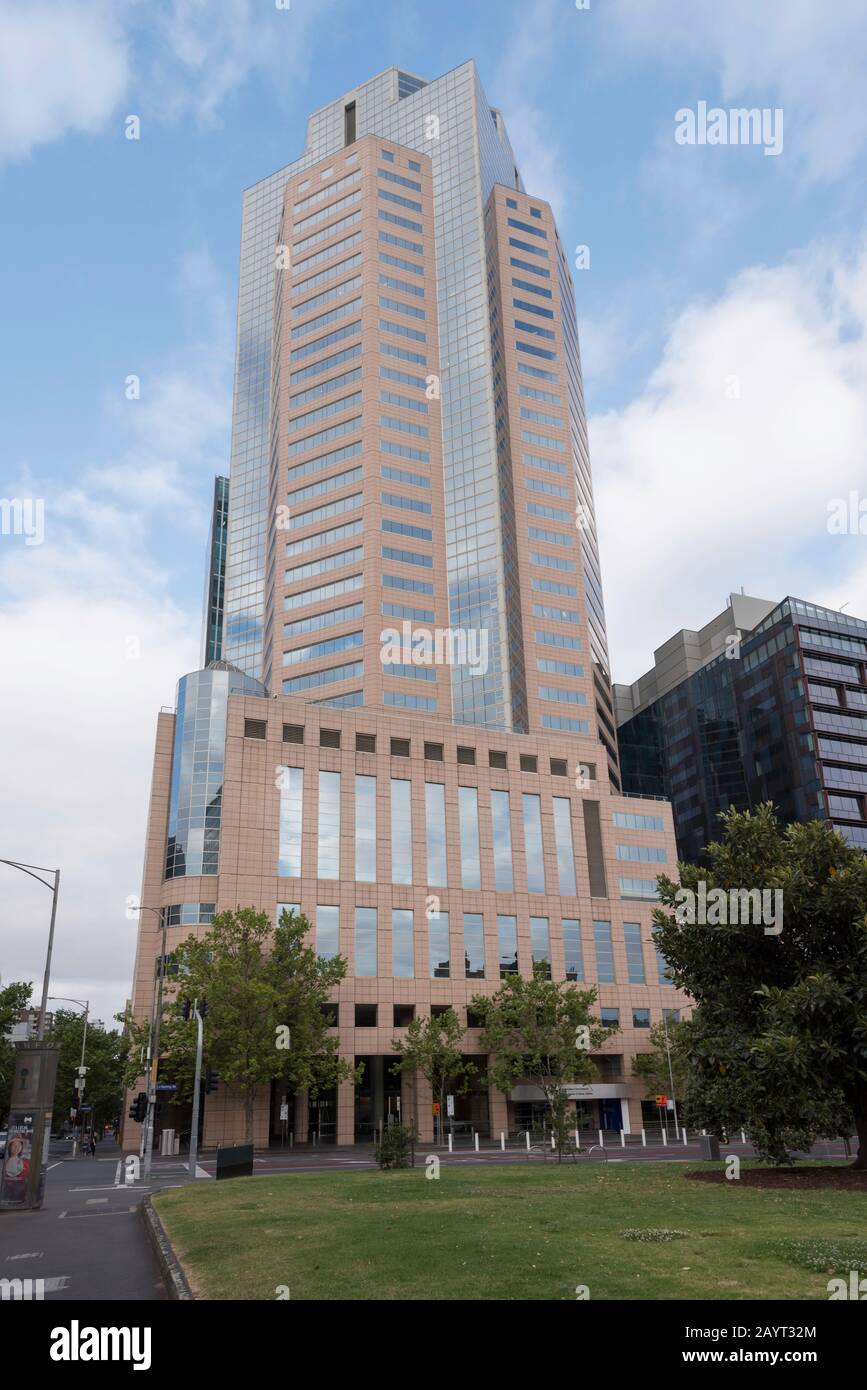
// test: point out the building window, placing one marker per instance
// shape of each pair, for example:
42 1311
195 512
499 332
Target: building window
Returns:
433 752
291 809
474 945
572 949
671 1015
641 1018
401 831
365 743
400 747
565 849
507 938
502 833
610 1018
663 969
529 762
327 932
328 863
349 123
634 953
255 728
559 767
604 953
365 1015
365 829
467 756
496 759
438 946
293 909
540 942
402 951
435 825
533 843
468 814
293 733
365 942
329 738
403 1015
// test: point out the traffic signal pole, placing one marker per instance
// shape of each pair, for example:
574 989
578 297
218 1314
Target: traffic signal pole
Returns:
194 1129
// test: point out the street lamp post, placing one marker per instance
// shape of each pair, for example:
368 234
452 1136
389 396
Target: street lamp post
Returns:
154 1042
84 1004
34 871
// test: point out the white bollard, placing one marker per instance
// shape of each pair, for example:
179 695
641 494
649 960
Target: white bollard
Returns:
292 1139
450 1142
643 1139
743 1137
502 1141
622 1139
703 1133
683 1132
552 1141
664 1137
528 1141
577 1139
477 1143
602 1139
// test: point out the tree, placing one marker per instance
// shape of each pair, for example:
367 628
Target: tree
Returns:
778 1038
105 1053
13 998
266 991
652 1067
431 1048
542 1030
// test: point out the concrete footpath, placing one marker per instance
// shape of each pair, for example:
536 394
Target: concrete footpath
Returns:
89 1239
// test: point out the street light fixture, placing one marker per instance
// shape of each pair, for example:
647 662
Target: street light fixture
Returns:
34 871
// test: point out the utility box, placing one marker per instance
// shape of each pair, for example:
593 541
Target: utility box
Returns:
235 1161
710 1146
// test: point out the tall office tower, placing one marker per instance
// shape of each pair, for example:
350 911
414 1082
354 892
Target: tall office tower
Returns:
766 702
411 734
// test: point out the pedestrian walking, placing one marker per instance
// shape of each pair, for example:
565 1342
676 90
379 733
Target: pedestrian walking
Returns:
91 1148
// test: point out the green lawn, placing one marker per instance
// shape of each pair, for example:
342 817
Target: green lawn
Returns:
510 1233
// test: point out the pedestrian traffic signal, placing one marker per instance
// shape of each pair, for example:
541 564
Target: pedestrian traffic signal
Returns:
139 1108
212 1081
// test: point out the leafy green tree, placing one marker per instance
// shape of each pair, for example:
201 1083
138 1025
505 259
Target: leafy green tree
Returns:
266 990
105 1053
432 1048
541 1030
652 1067
13 998
778 1038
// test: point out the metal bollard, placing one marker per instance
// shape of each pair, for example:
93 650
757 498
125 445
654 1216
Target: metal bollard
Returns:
683 1132
577 1139
623 1139
477 1142
450 1142
502 1141
664 1137
528 1140
643 1139
601 1139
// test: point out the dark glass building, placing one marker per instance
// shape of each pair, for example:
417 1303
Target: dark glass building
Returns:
215 576
775 711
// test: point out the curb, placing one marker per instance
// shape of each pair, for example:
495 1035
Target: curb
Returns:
173 1275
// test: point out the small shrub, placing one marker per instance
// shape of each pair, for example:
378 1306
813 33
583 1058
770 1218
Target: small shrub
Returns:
395 1148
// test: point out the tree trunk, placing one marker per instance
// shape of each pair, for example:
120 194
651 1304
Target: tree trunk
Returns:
861 1131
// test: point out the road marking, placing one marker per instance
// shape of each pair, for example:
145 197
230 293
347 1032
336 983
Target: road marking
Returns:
30 1255
55 1165
95 1201
61 1216
84 1215
58 1282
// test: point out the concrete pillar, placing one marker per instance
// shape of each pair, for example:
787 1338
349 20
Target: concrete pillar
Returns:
346 1112
498 1111
300 1122
624 1116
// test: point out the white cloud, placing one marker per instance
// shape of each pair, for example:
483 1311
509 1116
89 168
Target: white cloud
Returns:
700 491
92 646
808 58
63 68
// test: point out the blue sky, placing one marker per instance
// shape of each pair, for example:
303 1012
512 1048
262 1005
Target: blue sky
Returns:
722 322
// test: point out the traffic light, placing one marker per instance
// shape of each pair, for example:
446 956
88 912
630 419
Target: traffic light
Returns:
139 1108
212 1081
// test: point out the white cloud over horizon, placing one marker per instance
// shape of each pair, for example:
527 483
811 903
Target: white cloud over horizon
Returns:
720 471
